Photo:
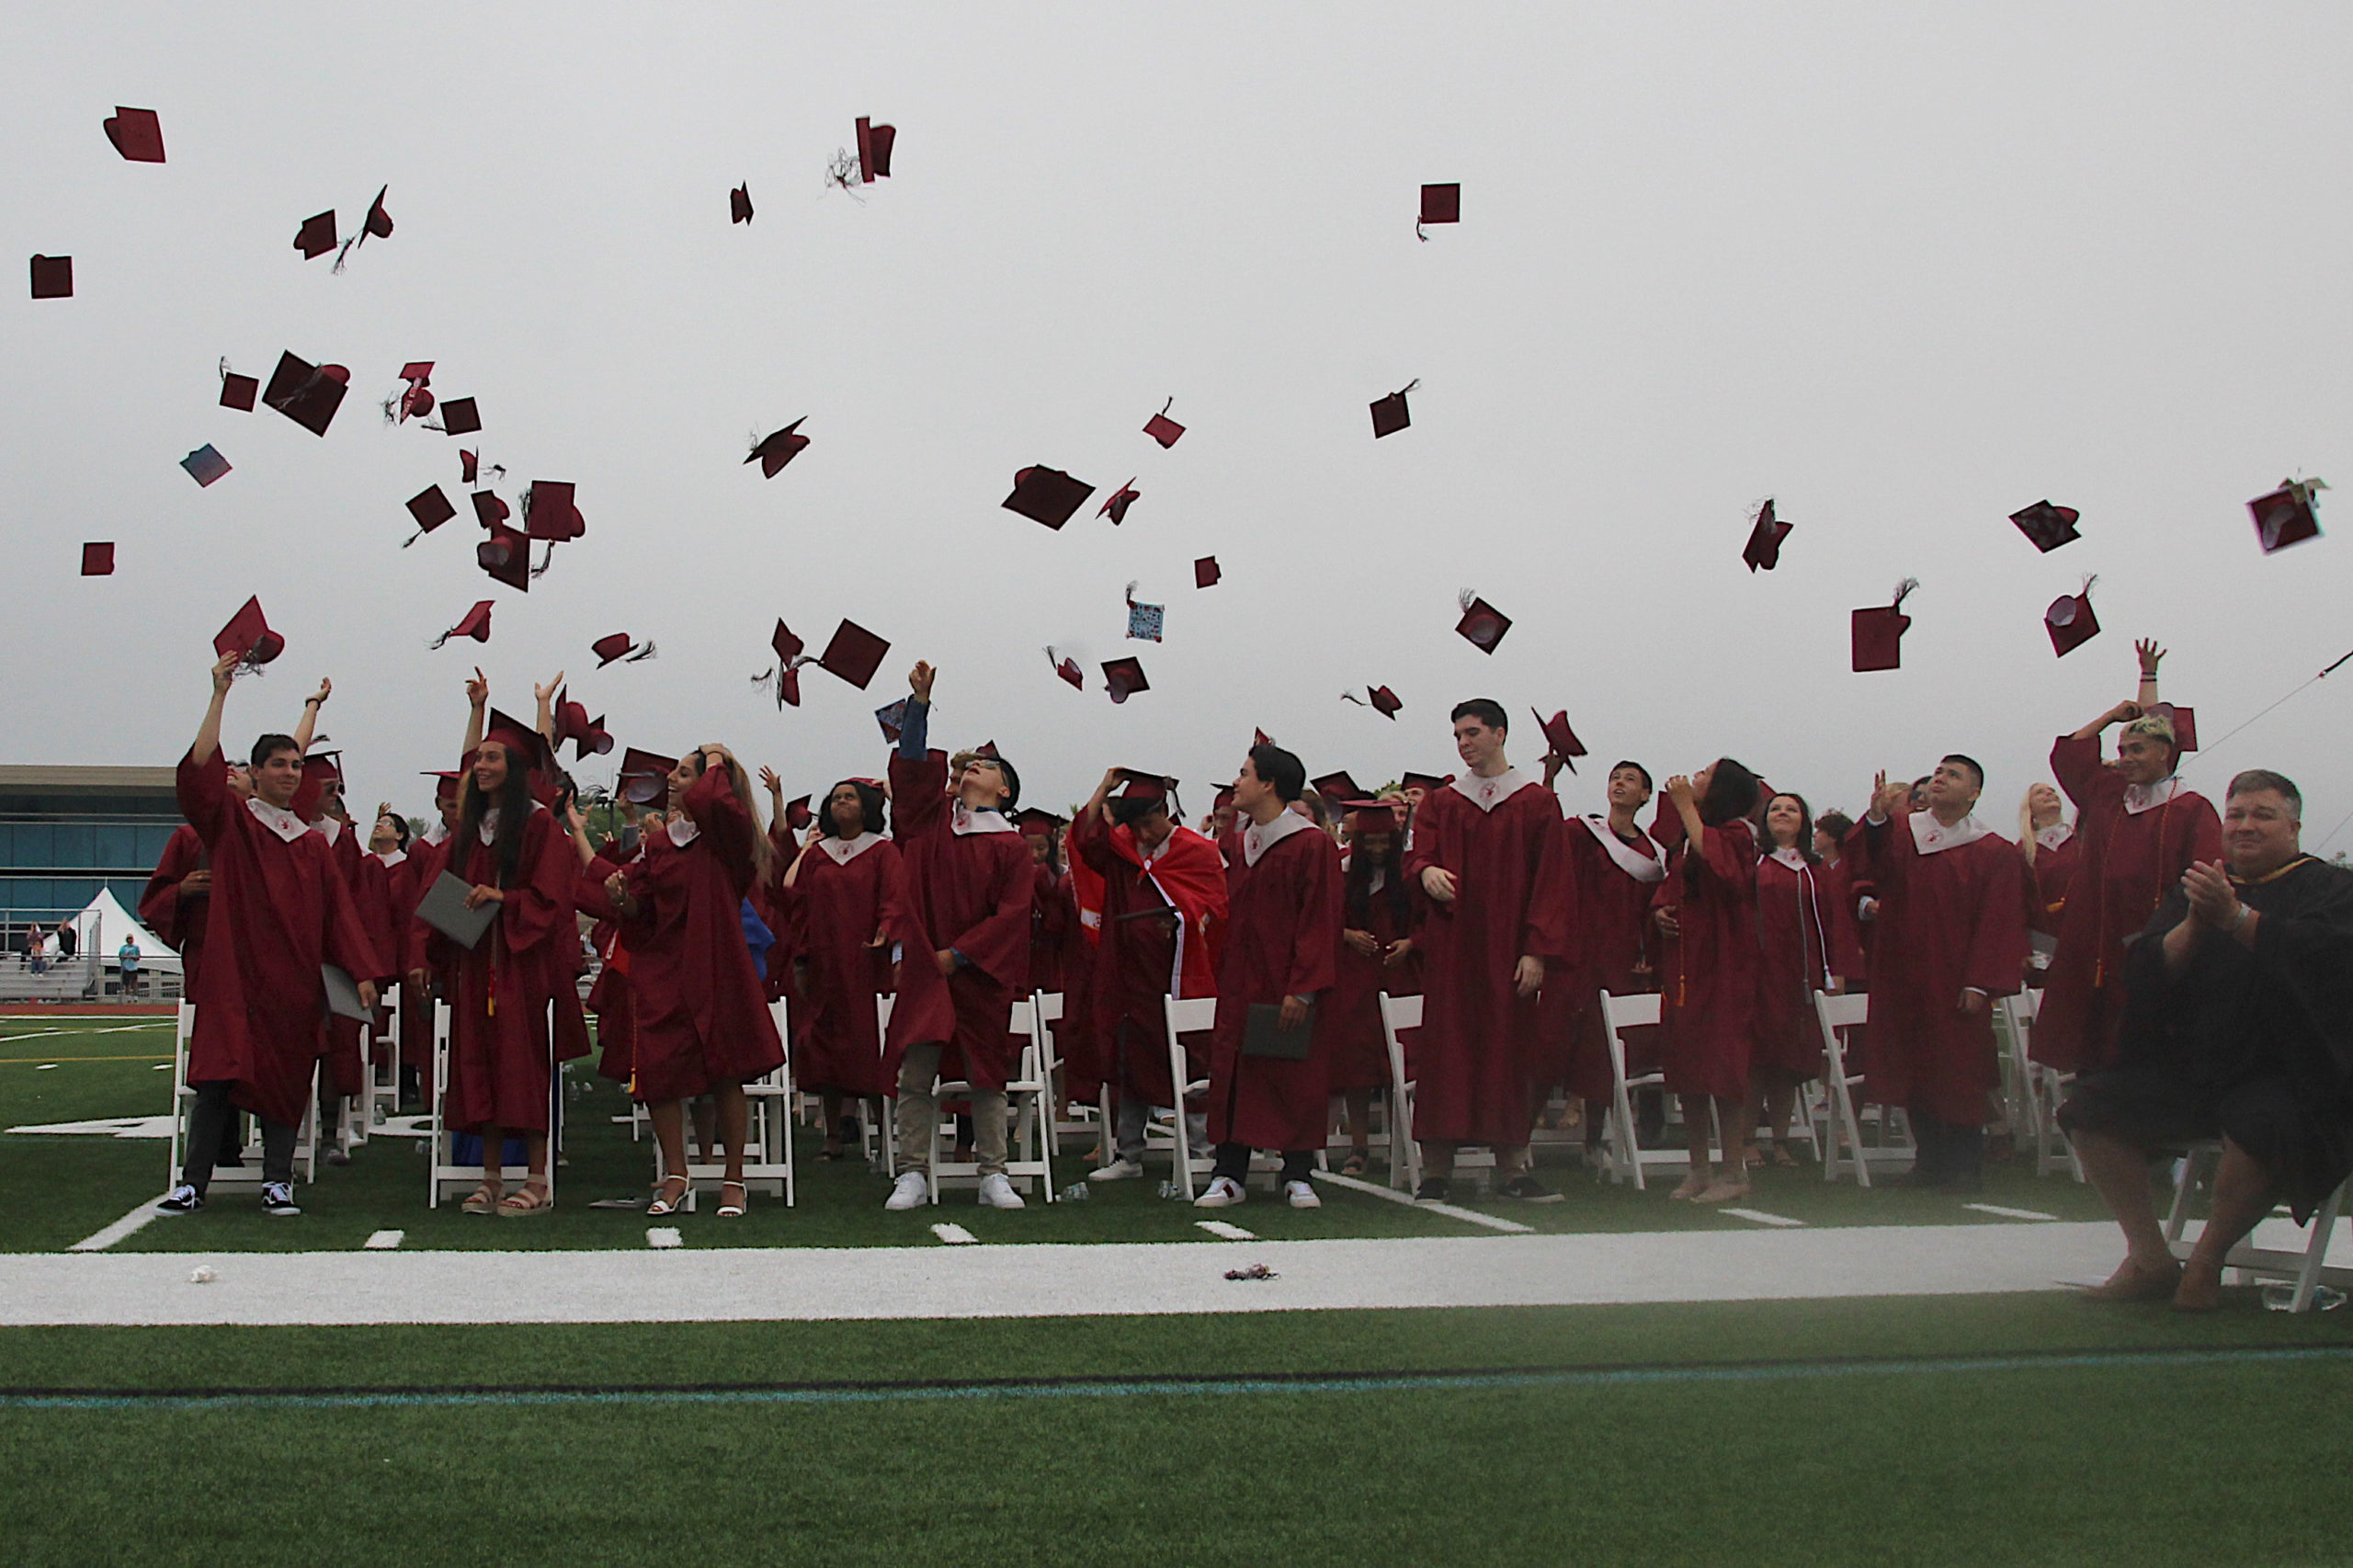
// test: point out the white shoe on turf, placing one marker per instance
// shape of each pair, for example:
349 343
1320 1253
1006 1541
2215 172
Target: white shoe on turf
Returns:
912 1190
1224 1192
997 1193
1302 1195
1121 1169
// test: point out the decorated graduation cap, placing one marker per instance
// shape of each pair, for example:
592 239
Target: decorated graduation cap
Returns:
854 653
430 508
307 395
1559 739
137 134
2070 621
1145 621
1206 573
892 718
205 464
1390 413
1161 428
619 647
1067 668
549 513
238 392
474 624
1115 506
97 560
2046 525
415 400
2287 515
506 555
739 204
1482 625
53 277
1122 679
2183 720
1440 204
1877 631
644 775
316 236
790 654
249 637
874 144
1047 495
1380 698
778 447
1766 532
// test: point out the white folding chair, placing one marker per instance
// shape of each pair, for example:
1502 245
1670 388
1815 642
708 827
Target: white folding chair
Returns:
1186 1015
1028 1095
767 1132
306 1138
1836 1015
1399 1014
888 1133
380 1099
443 1173
2306 1266
1082 1120
1622 1154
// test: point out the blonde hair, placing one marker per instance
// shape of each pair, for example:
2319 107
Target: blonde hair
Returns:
763 847
2157 727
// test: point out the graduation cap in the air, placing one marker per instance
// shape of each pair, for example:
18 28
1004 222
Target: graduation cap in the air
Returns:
854 653
1440 204
1482 625
475 624
1206 573
97 560
892 717
1161 428
572 724
1067 668
506 555
2287 515
1380 698
773 452
249 637
1122 679
739 204
204 465
644 775
378 224
874 144
415 400
1047 495
790 654
53 277
1336 786
1390 413
1560 739
1116 507
316 236
1425 781
619 647
548 511
1877 631
1766 532
459 417
469 464
2046 525
236 390
1144 621
431 508
797 815
2183 720
489 510
2070 621
137 134
307 395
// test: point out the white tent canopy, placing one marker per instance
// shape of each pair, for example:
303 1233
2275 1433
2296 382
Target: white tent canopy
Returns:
103 925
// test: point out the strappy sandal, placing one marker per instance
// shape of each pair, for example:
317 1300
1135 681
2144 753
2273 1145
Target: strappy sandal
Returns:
484 1199
664 1204
1357 1164
1783 1159
532 1198
733 1210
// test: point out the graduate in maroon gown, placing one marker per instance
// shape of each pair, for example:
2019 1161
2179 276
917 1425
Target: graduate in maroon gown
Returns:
1379 914
1281 944
703 1020
1805 944
386 904
2049 844
1162 919
962 926
609 996
278 912
1953 936
174 902
2139 829
421 985
1615 868
1708 970
1486 850
835 897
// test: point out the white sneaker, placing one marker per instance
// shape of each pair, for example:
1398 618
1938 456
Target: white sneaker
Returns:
997 1193
912 1190
1121 1169
1224 1192
1302 1195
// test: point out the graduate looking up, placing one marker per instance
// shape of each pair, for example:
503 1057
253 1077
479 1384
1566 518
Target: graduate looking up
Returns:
1708 970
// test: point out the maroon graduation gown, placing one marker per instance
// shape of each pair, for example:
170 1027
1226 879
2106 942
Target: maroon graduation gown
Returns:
1348 1017
1708 970
1281 939
420 951
1616 946
608 994
835 910
279 910
177 920
345 1066
1475 1061
970 892
2128 863
1805 938
502 1053
1137 953
2054 877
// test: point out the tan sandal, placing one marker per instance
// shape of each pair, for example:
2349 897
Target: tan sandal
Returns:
532 1198
484 1199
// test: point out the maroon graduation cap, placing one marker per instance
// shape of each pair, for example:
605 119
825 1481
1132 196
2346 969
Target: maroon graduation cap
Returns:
1161 428
506 555
1380 698
1116 507
892 717
874 144
797 815
644 775
1067 669
1423 781
316 236
2287 515
1482 625
548 514
790 654
739 204
204 465
773 452
1260 738
1390 413
489 510
249 637
137 134
2048 526
474 624
97 560
236 390
1047 495
459 417
1440 204
415 400
1877 631
2070 621
2183 720
378 224
1559 739
307 395
1122 679
53 277
855 653
431 508
1206 573
1766 532
619 647
1336 786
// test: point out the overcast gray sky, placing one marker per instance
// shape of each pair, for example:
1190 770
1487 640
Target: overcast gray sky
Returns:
1907 269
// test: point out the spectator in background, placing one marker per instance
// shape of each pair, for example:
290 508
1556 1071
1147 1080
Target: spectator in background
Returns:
69 940
128 956
37 949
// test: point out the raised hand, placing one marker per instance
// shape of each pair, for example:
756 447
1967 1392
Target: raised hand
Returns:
546 694
1679 790
225 670
2150 655
769 781
919 681
326 689
478 690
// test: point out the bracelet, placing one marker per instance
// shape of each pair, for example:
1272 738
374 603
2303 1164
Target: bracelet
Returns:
2240 923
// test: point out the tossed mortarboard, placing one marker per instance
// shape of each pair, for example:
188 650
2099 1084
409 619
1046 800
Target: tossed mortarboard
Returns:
1766 532
1482 625
1206 573
489 510
855 653
619 647
1380 698
1122 679
475 624
1116 505
1144 621
1560 739
97 560
1440 204
1390 413
431 508
789 657
572 724
644 775
53 277
249 637
874 144
307 395
459 417
772 452
2070 621
204 465
739 204
415 400
1047 495
548 511
1067 668
892 717
506 555
137 134
377 223
797 815
468 465
236 390
1161 428
2287 515
316 236
1877 631
2046 525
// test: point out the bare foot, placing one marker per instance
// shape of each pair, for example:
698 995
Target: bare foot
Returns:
2134 1282
2201 1289
1693 1186
1724 1189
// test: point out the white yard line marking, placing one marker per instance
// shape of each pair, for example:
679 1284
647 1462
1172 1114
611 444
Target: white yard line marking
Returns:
2000 1212
49 1034
1759 1217
46 1067
1510 1227
664 1236
1232 1232
106 1127
136 1219
385 1241
953 1234
163 1067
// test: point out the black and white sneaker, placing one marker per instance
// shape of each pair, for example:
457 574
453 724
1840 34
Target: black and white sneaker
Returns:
278 1199
1432 1191
1528 1189
181 1199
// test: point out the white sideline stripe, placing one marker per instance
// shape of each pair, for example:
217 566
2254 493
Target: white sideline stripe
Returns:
953 1233
2000 1212
754 1284
136 1219
385 1241
1761 1217
655 1236
1452 1212
6 1039
1226 1228
46 1067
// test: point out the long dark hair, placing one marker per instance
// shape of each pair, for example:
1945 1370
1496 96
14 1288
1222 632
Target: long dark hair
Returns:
513 803
869 798
1732 796
1395 891
1804 845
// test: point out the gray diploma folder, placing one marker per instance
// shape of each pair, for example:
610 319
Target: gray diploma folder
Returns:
443 907
343 997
